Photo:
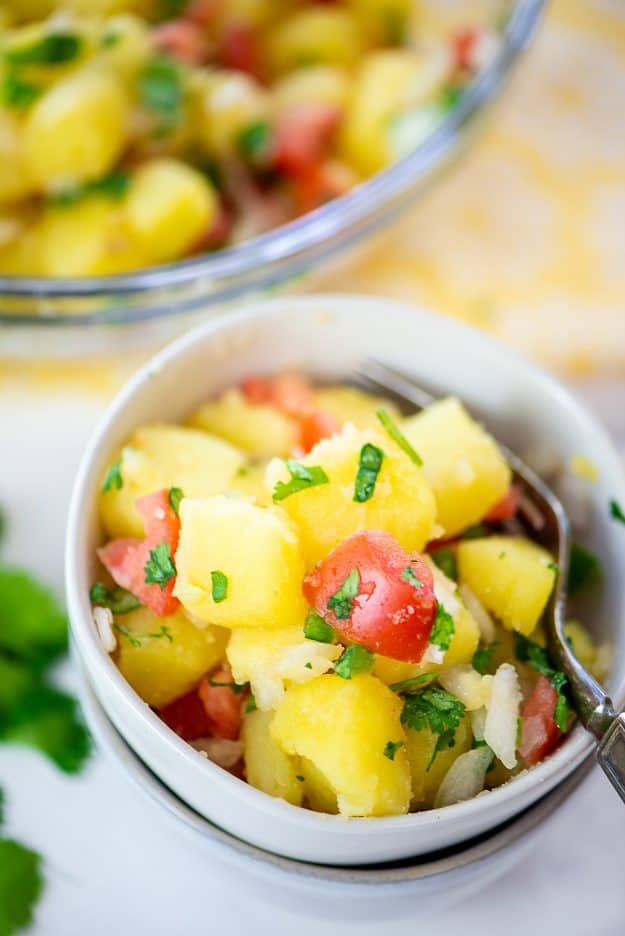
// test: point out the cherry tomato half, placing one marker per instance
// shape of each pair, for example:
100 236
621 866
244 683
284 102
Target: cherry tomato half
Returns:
393 606
539 732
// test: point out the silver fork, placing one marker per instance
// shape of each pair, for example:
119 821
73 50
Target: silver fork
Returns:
544 513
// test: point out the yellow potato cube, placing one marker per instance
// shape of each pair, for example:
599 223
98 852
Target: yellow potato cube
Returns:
158 456
14 181
261 430
225 103
402 502
161 669
125 44
317 84
462 463
318 791
343 726
349 404
267 767
314 36
512 577
387 21
420 748
257 550
76 130
168 207
249 481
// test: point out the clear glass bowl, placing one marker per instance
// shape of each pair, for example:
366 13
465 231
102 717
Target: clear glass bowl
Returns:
60 317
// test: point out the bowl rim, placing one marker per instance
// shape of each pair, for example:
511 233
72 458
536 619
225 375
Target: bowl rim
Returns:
289 249
571 752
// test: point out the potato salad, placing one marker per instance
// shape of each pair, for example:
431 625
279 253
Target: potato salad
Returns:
138 133
339 603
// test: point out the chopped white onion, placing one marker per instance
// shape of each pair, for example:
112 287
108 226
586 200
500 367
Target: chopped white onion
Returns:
468 685
479 613
433 654
445 589
298 663
500 730
220 751
103 620
478 723
465 778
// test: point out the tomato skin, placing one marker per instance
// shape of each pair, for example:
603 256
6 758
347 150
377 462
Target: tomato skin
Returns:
463 44
239 49
223 706
183 40
290 393
389 615
303 135
126 559
316 425
507 507
257 390
539 732
187 717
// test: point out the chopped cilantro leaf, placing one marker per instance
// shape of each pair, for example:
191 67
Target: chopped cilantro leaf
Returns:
55 48
444 628
537 657
21 884
342 601
19 93
391 748
554 567
113 186
174 497
584 569
136 638
616 511
315 628
414 682
302 477
119 600
160 568
477 531
562 712
109 38
254 140
369 464
250 703
161 90
308 665
398 437
33 627
113 480
450 96
219 586
436 709
483 659
300 777
445 559
236 687
409 576
355 659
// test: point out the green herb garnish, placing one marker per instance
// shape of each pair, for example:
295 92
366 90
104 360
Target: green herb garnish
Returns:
616 511
174 497
237 688
113 480
254 140
446 561
436 709
369 464
537 657
554 567
443 629
113 186
300 777
355 659
136 638
398 437
483 659
161 91
315 628
19 93
342 601
119 600
219 585
584 569
160 568
414 682
302 477
391 748
408 575
476 531
53 49
250 703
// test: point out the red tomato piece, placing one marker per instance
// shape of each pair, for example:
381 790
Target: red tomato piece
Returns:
217 234
202 12
507 507
126 559
239 49
539 732
390 614
223 706
183 40
187 717
258 390
463 44
292 393
316 425
303 135
322 183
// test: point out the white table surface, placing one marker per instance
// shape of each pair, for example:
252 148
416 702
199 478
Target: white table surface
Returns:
115 865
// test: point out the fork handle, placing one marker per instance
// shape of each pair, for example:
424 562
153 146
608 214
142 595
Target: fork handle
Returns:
611 754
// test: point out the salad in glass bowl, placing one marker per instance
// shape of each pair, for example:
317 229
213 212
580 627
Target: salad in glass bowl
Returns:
337 602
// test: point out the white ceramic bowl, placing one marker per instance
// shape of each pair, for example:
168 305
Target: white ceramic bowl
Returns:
329 336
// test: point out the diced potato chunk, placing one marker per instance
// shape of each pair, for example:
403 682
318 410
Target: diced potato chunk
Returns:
343 727
420 748
386 21
317 84
268 659
255 548
249 481
326 514
462 462
261 430
318 792
349 404
159 455
159 669
314 36
511 576
267 767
